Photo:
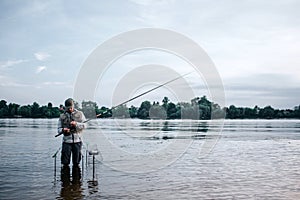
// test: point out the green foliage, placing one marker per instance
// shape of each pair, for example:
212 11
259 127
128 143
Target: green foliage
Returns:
121 112
105 112
28 111
189 111
171 111
267 113
3 109
89 108
198 108
165 102
35 111
25 111
157 112
235 113
297 112
133 111
143 111
218 112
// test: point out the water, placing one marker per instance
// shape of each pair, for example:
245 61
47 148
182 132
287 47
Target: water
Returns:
252 159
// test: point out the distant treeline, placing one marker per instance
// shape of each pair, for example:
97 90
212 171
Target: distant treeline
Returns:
198 108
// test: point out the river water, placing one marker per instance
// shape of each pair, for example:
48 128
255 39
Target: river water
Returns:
154 159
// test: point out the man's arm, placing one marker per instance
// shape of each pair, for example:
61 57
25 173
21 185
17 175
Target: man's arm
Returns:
59 129
80 125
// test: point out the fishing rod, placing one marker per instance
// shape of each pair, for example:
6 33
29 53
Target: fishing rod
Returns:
82 122
150 90
161 85
140 95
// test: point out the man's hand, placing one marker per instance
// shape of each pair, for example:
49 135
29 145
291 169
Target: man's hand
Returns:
66 131
73 123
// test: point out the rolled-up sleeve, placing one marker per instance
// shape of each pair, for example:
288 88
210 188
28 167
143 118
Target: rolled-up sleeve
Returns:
59 127
81 125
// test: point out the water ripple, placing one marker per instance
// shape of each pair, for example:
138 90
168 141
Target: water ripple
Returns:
254 159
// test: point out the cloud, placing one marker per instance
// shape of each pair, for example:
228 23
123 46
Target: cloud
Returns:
6 82
245 39
41 56
39 69
10 63
151 2
278 90
55 83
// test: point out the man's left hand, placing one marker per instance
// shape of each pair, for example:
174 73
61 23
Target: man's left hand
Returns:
73 123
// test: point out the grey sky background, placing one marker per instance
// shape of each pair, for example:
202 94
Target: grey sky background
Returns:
255 46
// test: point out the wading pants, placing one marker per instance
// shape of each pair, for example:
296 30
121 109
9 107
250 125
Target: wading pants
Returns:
67 150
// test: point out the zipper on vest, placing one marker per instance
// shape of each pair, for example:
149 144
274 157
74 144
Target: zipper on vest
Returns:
72 119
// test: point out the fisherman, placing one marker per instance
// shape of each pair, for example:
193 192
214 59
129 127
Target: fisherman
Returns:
70 124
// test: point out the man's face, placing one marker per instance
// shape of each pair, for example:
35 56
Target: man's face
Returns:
70 109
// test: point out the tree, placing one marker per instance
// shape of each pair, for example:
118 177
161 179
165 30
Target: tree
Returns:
143 111
35 113
13 109
267 112
51 112
217 112
157 112
50 105
250 113
165 102
235 113
204 101
105 112
204 106
133 111
3 109
205 111
3 104
121 112
189 111
297 112
195 101
55 112
199 108
89 109
44 112
178 111
25 111
171 111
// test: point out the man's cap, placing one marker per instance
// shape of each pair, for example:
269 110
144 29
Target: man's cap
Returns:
69 103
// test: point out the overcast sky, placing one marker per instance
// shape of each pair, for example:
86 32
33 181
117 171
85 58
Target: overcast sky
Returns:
254 44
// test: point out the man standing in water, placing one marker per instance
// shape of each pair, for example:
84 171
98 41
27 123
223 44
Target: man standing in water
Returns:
71 123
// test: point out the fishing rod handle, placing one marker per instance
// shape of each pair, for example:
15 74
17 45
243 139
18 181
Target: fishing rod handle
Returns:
82 122
58 134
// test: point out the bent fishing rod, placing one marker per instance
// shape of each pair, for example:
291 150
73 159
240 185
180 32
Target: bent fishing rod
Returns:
133 98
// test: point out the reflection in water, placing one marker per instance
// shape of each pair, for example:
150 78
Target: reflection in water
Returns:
166 126
71 187
176 130
202 127
250 161
93 186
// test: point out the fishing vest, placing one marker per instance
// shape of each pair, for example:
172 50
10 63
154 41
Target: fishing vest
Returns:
66 119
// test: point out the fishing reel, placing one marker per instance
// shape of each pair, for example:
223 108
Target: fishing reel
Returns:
72 127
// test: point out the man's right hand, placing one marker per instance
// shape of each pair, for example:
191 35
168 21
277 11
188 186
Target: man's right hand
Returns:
66 131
